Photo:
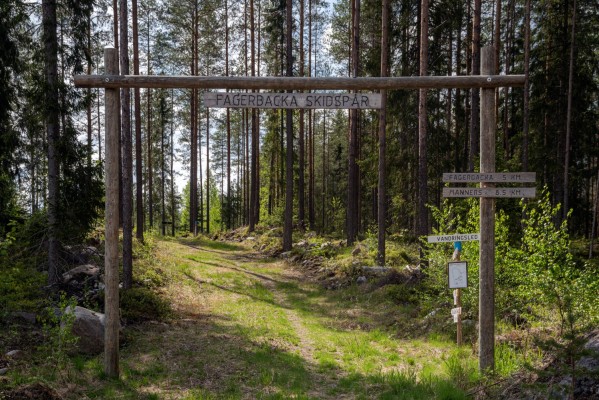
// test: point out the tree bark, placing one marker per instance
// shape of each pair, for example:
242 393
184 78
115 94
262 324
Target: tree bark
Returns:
353 190
49 22
526 111
254 189
301 191
422 125
288 224
138 145
566 207
193 176
475 95
382 204
127 151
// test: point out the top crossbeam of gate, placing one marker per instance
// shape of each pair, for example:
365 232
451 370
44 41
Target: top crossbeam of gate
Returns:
297 83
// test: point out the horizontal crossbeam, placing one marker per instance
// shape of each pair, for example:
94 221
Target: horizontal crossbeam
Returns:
297 83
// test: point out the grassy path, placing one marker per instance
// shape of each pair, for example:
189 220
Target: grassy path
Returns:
249 327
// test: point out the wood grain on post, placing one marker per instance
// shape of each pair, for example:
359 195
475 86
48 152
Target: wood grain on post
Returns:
298 83
486 313
111 260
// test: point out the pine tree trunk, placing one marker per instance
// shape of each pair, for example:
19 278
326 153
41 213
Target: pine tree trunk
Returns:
475 96
381 204
254 190
288 224
193 176
566 207
172 146
422 126
50 39
301 191
353 190
127 193
228 208
149 138
138 148
526 111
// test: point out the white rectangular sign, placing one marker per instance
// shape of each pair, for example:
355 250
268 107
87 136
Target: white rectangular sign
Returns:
490 177
489 192
292 100
456 237
456 311
457 272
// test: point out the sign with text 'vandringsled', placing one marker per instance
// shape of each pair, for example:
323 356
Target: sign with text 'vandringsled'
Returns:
293 100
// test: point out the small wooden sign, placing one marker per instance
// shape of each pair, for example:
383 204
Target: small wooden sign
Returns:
293 100
457 273
489 192
456 237
497 177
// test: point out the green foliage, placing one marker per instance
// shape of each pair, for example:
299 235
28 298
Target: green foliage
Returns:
142 304
536 276
57 327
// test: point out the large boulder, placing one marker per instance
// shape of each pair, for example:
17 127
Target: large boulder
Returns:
88 327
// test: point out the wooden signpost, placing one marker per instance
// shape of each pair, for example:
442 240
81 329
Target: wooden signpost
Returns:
487 194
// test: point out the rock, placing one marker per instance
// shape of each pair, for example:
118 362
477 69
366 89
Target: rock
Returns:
88 326
356 251
81 273
286 254
14 354
361 280
3 371
302 243
29 318
250 238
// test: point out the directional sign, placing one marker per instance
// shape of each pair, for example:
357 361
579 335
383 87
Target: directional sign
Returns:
456 237
490 177
292 100
489 192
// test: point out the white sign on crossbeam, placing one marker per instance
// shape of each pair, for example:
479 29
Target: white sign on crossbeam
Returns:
489 192
457 237
496 177
293 100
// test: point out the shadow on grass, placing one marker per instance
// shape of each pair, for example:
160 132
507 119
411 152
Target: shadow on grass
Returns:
213 359
204 244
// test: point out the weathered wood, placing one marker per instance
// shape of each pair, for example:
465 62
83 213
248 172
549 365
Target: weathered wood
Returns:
297 83
491 177
486 313
517 193
293 100
111 260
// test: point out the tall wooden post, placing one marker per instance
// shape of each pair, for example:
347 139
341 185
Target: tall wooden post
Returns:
111 260
486 313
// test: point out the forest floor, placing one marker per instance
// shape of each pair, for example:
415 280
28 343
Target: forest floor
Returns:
245 326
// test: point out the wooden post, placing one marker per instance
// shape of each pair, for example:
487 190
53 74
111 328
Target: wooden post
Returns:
111 259
486 313
458 302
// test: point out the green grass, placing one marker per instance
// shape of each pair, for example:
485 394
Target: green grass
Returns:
242 327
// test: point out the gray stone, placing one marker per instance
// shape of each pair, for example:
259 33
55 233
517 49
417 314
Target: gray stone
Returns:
3 371
81 272
361 280
88 327
14 354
